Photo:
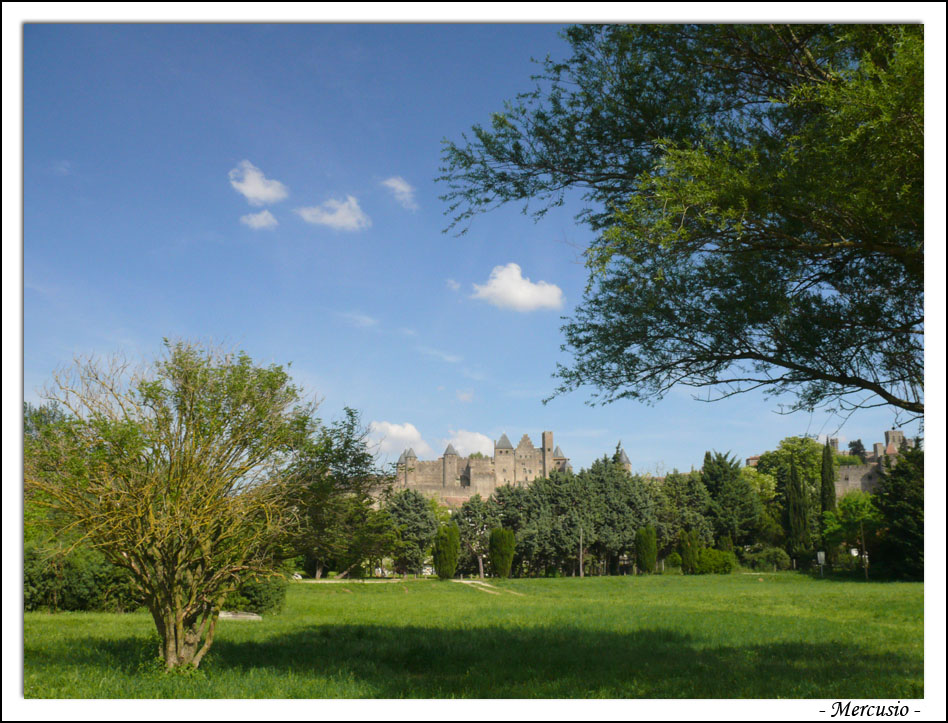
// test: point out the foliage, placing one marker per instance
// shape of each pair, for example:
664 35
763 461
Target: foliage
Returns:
900 499
857 449
616 505
78 579
447 544
502 545
178 474
716 562
646 549
689 545
475 519
841 460
416 525
683 504
758 191
340 479
798 541
828 485
807 455
673 560
261 595
854 521
735 505
770 558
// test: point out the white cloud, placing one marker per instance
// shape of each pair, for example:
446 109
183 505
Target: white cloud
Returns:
438 354
264 219
403 191
465 395
469 442
362 321
259 190
453 285
396 438
340 215
508 289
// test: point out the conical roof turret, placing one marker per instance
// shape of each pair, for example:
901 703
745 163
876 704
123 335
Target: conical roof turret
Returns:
451 450
503 443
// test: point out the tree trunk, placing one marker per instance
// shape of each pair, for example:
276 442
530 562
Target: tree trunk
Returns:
185 637
480 565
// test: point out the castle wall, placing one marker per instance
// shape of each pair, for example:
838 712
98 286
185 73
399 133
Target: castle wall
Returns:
423 474
862 477
481 472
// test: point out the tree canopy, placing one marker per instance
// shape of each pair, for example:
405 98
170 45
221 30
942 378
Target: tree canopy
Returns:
757 195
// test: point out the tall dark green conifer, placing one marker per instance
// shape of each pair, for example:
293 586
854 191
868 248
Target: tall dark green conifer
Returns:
828 482
798 543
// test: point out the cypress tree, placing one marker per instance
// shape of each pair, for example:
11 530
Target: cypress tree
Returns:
827 489
688 546
447 545
799 540
646 549
501 548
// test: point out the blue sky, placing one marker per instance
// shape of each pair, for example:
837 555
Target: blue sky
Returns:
272 188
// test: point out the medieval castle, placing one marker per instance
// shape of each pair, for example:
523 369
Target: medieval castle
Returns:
865 477
453 479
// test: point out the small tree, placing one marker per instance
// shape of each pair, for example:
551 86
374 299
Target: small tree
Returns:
447 544
646 549
502 544
854 520
177 474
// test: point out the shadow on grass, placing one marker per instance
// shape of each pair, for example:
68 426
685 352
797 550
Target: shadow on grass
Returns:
496 662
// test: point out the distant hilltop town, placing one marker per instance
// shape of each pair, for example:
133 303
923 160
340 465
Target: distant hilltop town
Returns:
453 479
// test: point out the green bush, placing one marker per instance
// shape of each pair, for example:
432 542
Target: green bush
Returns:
501 549
673 560
768 559
80 580
646 549
716 562
447 547
264 595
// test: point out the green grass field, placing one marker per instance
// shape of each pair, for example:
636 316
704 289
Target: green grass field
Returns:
737 636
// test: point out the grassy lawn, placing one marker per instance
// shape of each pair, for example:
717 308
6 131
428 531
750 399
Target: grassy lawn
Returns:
737 636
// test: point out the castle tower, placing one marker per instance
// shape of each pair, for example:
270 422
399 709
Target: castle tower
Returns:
407 464
560 461
504 461
624 460
449 468
893 441
546 452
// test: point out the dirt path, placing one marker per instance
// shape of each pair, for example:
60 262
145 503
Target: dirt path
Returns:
487 587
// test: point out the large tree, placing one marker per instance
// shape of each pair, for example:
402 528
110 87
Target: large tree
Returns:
756 192
900 499
179 473
342 481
